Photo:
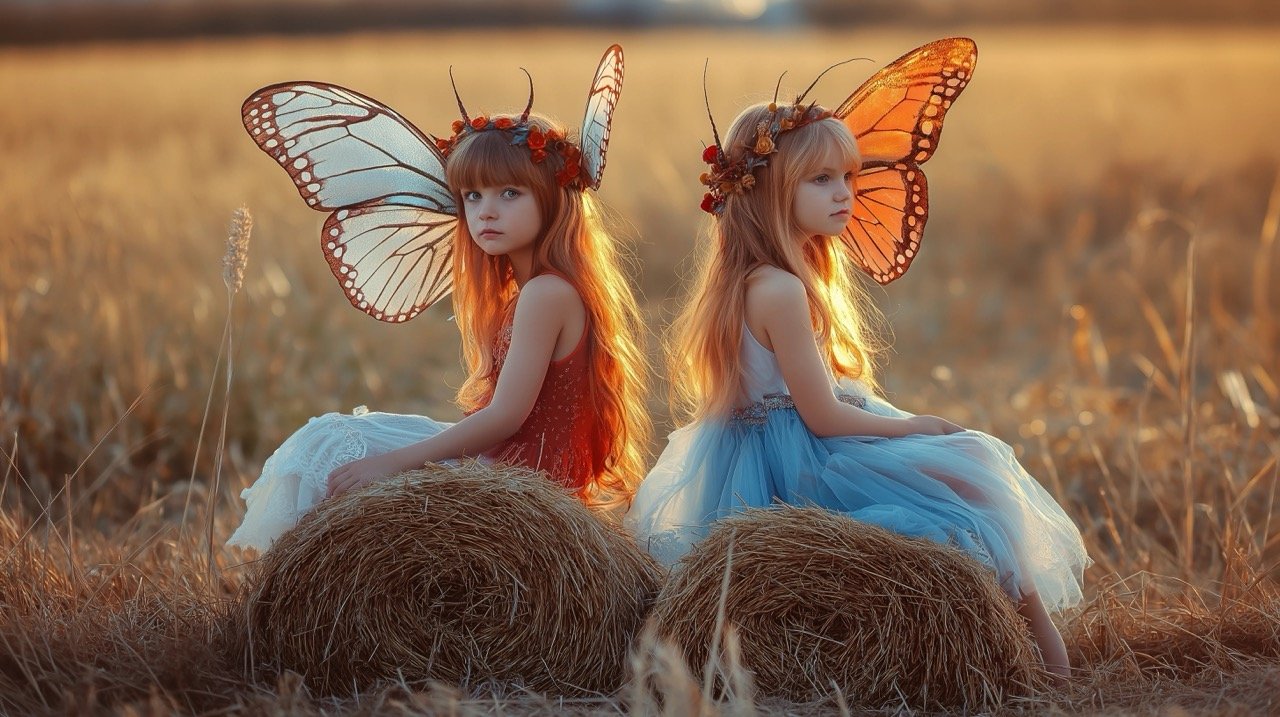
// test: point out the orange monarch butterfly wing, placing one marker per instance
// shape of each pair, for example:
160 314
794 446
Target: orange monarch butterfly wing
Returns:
897 118
605 90
392 261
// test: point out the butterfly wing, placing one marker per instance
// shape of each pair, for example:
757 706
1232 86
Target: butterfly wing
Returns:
343 149
897 118
392 261
605 89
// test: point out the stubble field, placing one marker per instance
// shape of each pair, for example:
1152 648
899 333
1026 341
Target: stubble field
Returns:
1097 286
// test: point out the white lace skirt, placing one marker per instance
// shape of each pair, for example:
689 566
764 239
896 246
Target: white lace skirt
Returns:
295 477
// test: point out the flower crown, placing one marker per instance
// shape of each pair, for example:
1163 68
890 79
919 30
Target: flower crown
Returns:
540 144
737 177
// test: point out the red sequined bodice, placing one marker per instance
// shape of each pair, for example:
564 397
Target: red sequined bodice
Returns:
561 435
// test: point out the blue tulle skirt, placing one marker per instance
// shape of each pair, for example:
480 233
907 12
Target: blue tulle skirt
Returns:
964 489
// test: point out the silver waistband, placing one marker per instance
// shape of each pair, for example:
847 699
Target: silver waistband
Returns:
757 413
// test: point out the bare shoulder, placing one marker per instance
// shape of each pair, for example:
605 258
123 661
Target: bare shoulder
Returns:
769 286
548 292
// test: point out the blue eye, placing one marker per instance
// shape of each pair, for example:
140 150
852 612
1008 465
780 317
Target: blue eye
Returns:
470 196
821 179
510 193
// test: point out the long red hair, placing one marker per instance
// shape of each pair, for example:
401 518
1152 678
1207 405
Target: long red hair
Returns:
756 228
573 243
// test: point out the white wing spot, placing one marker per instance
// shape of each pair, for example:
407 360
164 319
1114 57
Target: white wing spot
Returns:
271 143
299 163
313 187
253 113
343 214
312 200
305 176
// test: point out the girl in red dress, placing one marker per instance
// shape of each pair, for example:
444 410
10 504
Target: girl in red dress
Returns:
548 320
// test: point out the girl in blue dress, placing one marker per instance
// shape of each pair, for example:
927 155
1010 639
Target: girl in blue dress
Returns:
775 366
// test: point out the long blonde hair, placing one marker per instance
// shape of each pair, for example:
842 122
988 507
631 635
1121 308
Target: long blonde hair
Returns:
573 243
758 227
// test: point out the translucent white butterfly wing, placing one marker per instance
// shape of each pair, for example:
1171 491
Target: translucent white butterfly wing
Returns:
389 240
605 89
391 261
343 149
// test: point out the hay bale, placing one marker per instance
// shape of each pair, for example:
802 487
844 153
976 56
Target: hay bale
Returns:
821 602
459 574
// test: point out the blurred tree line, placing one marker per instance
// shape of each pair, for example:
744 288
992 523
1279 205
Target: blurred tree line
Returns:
42 21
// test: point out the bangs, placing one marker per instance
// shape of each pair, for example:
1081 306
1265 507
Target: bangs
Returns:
811 144
488 159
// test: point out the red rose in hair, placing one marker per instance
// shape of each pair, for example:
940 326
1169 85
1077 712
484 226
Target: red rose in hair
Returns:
538 155
537 140
458 125
707 202
503 123
442 144
478 123
555 134
709 154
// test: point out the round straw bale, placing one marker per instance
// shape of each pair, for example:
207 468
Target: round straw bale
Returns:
461 574
821 603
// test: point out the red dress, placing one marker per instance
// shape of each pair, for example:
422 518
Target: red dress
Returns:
561 435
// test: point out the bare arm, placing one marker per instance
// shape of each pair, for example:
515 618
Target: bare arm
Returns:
544 308
777 305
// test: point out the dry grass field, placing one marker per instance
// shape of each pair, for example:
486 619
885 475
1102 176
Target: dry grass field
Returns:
1099 285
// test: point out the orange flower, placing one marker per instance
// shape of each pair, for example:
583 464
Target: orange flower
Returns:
458 125
478 122
538 155
537 140
503 123
764 145
555 135
442 144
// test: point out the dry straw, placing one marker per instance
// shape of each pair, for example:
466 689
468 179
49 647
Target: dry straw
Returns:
463 574
823 606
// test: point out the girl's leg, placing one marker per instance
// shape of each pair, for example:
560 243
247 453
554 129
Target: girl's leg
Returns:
1052 649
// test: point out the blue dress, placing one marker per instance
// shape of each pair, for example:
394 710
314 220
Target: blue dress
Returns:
966 489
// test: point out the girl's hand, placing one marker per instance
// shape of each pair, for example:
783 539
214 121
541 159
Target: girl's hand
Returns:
932 426
361 473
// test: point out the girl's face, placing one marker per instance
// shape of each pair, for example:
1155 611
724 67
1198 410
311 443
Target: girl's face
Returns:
502 220
824 197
